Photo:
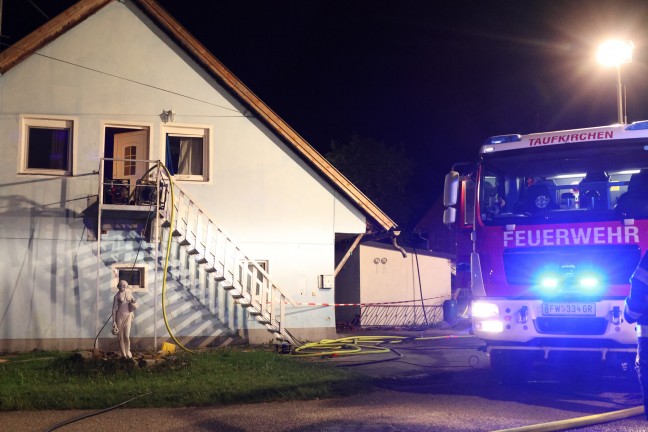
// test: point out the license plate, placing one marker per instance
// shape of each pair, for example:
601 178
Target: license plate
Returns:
569 309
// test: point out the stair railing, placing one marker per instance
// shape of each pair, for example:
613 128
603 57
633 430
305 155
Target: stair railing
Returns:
243 277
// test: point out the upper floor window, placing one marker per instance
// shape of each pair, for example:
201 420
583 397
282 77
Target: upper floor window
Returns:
187 151
47 146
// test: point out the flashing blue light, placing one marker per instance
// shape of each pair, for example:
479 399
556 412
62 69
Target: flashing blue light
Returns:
588 282
500 139
640 125
549 283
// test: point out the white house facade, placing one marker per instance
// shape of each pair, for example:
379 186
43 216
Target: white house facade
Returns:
90 102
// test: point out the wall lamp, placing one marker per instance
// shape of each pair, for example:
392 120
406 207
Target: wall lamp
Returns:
167 116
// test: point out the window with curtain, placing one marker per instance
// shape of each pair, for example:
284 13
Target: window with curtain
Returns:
186 153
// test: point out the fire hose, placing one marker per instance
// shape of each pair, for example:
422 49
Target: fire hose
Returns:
579 421
166 265
358 345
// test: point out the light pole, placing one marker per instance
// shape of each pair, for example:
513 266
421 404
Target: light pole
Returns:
615 53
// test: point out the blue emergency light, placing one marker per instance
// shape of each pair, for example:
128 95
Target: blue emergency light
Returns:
500 139
639 125
586 281
549 283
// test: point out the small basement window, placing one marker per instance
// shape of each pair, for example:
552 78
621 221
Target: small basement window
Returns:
134 275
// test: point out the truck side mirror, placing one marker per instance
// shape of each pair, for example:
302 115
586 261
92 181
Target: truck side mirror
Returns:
449 215
451 189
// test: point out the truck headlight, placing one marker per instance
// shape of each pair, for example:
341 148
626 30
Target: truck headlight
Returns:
482 309
491 326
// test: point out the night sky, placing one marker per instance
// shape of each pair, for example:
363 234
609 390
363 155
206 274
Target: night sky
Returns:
436 76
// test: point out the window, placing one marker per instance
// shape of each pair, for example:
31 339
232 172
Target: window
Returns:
258 283
130 152
133 274
468 188
47 146
261 263
187 153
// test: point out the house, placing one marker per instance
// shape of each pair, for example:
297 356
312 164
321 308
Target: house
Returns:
385 287
130 152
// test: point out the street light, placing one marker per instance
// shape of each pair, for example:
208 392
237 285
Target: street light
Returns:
615 53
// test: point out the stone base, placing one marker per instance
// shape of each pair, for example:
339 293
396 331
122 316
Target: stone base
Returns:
99 361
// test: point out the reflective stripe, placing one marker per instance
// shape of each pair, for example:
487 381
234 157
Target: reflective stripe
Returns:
641 274
642 330
632 314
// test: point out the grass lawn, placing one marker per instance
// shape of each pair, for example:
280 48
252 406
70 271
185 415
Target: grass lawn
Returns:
42 380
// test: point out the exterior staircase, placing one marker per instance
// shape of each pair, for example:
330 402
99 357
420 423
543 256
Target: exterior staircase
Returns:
203 262
209 251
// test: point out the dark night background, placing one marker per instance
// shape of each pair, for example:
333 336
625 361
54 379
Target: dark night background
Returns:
429 79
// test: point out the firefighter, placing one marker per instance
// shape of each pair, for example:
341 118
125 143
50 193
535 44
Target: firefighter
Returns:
636 311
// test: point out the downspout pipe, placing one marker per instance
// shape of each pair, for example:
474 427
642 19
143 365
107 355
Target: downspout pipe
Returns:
394 233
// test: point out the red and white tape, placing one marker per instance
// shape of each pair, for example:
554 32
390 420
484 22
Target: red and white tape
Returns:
366 304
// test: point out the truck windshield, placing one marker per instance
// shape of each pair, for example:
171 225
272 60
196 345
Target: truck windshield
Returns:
568 183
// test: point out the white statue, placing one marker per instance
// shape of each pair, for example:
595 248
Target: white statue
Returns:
124 304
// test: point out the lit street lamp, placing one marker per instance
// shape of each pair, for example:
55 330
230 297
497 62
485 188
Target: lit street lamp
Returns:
615 53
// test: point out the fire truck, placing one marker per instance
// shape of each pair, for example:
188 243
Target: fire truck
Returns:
555 224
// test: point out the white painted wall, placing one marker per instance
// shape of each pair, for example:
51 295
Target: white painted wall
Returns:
378 273
114 67
395 278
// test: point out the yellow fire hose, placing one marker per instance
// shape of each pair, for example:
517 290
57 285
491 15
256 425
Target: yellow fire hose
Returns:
355 345
358 345
579 421
166 264
352 345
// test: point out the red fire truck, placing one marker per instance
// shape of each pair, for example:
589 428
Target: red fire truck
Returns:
557 223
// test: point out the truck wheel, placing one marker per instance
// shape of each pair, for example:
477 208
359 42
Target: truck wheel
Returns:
511 367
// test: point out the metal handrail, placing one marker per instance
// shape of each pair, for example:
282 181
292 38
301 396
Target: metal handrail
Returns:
213 246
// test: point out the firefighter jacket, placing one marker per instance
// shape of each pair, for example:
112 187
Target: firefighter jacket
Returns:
636 304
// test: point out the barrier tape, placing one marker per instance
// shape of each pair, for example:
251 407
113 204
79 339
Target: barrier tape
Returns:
366 304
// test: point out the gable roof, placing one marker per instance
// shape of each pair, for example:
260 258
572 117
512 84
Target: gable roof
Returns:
84 8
